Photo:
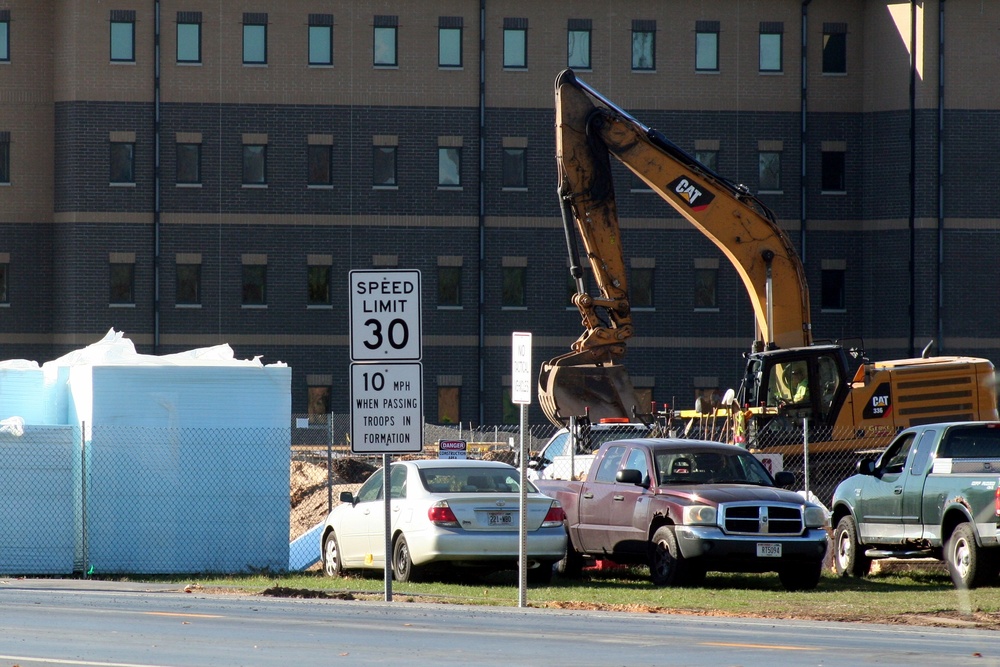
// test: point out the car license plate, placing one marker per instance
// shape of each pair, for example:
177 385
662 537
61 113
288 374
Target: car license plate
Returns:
769 550
500 518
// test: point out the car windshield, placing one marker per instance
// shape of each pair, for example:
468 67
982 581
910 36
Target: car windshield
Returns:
471 480
710 467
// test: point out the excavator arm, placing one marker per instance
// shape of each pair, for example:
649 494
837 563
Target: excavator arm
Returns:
589 131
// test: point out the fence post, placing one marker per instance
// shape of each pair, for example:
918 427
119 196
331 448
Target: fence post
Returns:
329 465
83 494
805 452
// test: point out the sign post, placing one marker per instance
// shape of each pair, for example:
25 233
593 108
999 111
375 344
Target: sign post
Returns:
386 375
520 394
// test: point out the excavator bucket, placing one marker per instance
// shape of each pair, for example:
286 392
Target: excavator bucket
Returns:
600 390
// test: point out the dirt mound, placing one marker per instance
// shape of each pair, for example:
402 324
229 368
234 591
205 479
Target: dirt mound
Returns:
352 471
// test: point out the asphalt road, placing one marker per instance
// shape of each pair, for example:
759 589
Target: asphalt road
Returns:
46 623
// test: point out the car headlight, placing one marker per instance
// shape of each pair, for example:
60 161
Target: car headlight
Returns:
814 517
699 515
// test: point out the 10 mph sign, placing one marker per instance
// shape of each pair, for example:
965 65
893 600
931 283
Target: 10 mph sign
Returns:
385 315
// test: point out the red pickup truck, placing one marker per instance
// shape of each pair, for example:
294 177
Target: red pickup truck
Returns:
687 507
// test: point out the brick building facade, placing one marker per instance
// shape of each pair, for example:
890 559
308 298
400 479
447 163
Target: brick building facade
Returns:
194 174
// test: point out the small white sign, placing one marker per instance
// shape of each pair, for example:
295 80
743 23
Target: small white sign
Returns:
452 449
387 414
520 376
385 315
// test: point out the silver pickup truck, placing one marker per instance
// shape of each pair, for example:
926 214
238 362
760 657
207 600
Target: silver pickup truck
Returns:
933 493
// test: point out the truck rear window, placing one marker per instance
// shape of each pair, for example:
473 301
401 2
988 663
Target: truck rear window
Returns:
971 442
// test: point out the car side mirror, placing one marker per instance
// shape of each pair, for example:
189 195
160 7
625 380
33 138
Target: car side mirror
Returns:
866 466
629 476
347 497
784 479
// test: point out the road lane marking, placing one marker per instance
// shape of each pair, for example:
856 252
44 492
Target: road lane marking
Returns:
183 615
83 663
774 647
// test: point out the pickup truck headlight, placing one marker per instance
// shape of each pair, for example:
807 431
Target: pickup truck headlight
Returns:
814 517
699 515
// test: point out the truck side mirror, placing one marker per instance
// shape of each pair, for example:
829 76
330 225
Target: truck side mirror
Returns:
866 466
784 479
629 476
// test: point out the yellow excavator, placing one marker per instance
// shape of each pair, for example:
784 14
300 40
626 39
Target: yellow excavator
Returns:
849 401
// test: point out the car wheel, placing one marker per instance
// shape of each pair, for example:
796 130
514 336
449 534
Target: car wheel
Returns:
968 565
332 564
801 576
667 566
848 557
402 564
541 575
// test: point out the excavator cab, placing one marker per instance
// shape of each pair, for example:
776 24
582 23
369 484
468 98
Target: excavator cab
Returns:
783 387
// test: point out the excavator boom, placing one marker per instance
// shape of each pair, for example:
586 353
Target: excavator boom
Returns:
589 131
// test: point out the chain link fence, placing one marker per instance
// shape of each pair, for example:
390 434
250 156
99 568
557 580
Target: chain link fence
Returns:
143 500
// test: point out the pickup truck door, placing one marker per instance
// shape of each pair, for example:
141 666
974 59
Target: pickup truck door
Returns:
596 500
913 485
880 503
629 508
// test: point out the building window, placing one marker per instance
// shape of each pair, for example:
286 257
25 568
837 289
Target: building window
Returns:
255 280
450 41
318 275
449 166
834 171
511 410
770 45
122 160
386 43
705 288
706 46
318 404
641 287
189 37
4 278
450 286
4 35
189 163
514 167
122 35
321 39
832 284
709 158
578 43
122 280
515 43
449 402
5 158
254 39
643 45
769 171
188 288
384 166
514 287
254 164
834 48
320 159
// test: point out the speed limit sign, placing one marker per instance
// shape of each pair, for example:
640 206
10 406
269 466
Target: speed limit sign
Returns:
385 315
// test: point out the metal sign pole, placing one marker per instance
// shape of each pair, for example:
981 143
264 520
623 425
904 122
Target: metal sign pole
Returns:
386 489
522 568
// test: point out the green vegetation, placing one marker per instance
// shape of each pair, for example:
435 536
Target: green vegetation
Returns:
899 595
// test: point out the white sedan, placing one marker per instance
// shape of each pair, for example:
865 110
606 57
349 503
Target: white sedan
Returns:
444 511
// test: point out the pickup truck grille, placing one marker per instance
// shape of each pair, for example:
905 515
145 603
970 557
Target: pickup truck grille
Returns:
761 519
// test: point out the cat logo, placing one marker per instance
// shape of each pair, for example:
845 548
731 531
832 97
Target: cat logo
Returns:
879 406
691 193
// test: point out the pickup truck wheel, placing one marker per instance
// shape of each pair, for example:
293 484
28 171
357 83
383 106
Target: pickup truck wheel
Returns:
667 567
968 565
801 576
571 566
848 557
